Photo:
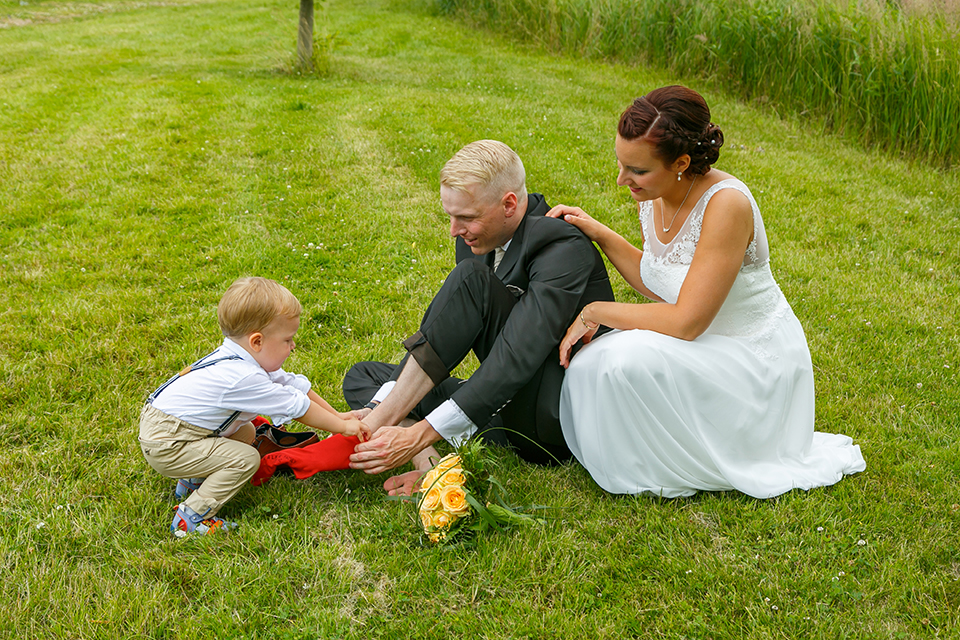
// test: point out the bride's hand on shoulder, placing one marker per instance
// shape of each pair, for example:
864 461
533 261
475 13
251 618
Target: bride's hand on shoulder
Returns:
580 219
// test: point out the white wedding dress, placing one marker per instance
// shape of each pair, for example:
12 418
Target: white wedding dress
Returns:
734 409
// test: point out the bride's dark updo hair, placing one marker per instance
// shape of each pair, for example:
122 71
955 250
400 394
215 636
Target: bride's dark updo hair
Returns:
675 120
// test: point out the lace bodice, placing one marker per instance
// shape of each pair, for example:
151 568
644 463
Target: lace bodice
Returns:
680 250
754 305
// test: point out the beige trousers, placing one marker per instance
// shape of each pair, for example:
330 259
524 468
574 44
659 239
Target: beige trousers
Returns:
177 449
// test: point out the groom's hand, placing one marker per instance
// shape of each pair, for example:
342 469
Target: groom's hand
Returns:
391 447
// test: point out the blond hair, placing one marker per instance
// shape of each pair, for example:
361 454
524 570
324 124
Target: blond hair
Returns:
488 164
250 304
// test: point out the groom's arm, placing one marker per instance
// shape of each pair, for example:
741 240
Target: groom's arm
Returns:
559 270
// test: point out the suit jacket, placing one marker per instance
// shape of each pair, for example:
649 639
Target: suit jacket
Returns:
555 271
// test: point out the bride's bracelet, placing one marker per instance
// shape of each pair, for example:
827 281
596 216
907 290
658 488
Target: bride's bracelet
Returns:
587 324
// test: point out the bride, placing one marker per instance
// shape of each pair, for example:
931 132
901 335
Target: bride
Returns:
710 387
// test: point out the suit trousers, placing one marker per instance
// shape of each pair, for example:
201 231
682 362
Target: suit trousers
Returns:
178 449
468 313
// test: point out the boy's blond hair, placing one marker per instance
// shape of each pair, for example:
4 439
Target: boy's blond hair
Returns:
491 165
250 304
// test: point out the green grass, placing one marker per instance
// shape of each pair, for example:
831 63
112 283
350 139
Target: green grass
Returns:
884 73
152 153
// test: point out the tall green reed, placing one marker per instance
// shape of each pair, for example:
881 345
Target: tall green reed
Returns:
868 70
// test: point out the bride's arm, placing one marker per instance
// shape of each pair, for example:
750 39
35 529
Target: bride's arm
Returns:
726 231
622 255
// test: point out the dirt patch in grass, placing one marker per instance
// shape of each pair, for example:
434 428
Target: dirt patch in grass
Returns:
27 13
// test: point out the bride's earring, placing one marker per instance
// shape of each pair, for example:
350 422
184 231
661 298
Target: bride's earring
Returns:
679 175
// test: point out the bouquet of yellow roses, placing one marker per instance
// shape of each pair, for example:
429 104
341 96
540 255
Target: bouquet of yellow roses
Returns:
460 496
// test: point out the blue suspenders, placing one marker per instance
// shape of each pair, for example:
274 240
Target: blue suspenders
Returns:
195 366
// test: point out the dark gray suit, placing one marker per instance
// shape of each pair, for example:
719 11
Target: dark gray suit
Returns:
514 321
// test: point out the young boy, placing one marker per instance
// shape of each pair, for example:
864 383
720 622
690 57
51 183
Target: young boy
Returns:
196 426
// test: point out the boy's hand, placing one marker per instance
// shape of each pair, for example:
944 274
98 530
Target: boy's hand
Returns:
359 414
356 428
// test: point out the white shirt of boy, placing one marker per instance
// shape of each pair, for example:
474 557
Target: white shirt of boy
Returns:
206 397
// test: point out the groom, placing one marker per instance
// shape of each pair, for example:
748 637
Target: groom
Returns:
520 280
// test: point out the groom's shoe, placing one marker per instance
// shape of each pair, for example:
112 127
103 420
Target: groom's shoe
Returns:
270 438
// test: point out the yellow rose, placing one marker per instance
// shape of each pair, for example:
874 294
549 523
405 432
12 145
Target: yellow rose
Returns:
454 500
428 479
447 462
453 476
426 519
430 500
442 520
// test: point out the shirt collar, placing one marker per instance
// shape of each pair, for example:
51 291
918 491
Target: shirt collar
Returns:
234 349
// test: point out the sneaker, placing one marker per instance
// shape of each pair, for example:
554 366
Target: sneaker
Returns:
186 486
187 521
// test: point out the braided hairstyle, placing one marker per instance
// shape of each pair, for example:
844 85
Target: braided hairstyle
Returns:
676 121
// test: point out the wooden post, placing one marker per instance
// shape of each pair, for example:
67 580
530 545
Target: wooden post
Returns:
305 36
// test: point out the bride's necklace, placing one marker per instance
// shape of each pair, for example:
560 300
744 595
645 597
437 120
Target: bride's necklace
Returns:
666 227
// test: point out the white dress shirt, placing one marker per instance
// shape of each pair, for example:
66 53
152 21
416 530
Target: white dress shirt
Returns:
206 397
